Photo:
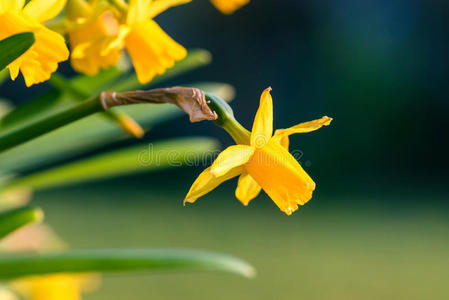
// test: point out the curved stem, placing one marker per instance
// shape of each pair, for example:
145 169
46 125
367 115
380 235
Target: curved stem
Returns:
227 121
40 127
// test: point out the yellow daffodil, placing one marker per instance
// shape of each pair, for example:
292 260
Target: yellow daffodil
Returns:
229 6
263 162
105 31
95 30
53 287
49 48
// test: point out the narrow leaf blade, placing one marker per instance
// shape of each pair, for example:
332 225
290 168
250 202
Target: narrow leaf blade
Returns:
131 160
19 265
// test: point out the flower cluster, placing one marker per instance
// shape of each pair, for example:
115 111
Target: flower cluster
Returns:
98 31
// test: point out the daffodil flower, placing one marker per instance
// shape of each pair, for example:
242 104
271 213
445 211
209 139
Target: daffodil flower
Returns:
95 29
104 31
229 6
49 48
262 161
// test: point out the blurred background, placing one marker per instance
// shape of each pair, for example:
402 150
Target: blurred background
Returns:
377 227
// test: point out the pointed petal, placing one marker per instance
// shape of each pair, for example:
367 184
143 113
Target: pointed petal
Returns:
302 128
247 188
281 177
206 182
263 122
43 10
160 6
231 157
152 51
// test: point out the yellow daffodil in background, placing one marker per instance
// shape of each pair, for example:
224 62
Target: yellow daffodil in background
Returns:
229 6
53 287
95 30
263 162
49 49
104 30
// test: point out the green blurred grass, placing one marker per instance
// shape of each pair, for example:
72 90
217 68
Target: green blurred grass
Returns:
337 247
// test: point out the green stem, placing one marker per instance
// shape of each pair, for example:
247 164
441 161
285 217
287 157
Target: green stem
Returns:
227 121
40 127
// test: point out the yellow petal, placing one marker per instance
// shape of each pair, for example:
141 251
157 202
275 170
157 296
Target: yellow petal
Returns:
303 127
160 6
152 51
43 10
263 122
206 182
229 6
247 188
138 11
11 6
43 57
94 44
281 177
282 135
231 157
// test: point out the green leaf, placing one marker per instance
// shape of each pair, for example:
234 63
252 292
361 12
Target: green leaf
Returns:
14 219
44 105
4 75
93 132
13 266
14 46
111 79
136 159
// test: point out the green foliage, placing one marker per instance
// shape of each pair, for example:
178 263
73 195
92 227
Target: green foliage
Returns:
93 132
14 219
112 79
14 46
19 265
90 134
135 159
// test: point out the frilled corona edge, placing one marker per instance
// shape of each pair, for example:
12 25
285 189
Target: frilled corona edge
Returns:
190 100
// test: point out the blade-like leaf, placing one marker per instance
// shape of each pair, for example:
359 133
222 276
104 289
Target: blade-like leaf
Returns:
13 266
92 132
14 219
14 46
140 158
